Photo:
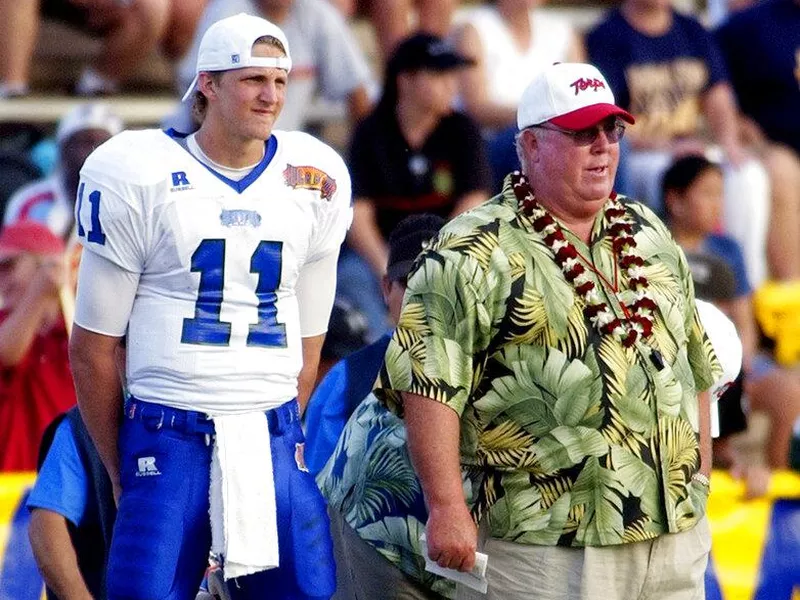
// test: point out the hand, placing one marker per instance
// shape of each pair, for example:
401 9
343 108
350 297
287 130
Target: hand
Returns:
50 275
452 537
734 153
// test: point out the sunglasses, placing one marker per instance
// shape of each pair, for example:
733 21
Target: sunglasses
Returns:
7 264
614 130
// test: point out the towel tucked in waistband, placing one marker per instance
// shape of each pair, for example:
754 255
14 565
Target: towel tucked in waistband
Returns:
244 529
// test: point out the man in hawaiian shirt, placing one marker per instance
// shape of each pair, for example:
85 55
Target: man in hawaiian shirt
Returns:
551 370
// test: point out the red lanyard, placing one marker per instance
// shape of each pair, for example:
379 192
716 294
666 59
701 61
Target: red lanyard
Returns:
612 286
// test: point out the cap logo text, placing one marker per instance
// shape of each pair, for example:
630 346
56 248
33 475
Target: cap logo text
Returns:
582 84
235 59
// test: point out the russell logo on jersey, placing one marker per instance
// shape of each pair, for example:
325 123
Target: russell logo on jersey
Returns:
180 183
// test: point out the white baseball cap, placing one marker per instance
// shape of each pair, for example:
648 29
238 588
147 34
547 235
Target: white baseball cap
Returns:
90 115
726 343
570 95
228 44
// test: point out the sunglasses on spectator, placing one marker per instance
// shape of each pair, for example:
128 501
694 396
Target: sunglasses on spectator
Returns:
613 128
8 264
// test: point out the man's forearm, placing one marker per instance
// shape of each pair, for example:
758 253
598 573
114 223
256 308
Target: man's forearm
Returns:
55 555
99 392
433 443
706 455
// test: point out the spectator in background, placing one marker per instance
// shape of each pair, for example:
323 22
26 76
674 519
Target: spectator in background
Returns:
129 30
693 189
35 380
72 512
762 48
375 501
510 41
326 58
715 283
347 333
761 45
413 154
394 20
51 201
666 69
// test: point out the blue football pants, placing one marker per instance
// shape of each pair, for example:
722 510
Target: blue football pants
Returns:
162 535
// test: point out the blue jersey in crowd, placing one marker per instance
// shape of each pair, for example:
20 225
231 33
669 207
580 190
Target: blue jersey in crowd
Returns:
335 399
762 49
658 78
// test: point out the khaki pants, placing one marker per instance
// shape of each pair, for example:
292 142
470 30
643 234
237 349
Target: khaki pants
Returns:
671 567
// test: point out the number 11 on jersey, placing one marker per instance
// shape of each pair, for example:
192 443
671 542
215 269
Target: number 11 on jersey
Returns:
206 328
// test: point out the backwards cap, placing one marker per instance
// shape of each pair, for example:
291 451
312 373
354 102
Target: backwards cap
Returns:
570 95
228 44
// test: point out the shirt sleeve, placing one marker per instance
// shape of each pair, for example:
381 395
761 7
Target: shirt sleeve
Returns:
109 219
717 71
730 251
316 289
335 218
62 485
443 323
98 280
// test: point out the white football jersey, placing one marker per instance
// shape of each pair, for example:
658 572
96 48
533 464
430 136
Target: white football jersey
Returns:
215 323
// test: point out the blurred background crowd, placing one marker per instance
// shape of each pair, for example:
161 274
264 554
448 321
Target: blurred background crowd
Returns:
420 97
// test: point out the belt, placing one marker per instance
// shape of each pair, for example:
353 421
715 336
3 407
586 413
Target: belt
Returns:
280 419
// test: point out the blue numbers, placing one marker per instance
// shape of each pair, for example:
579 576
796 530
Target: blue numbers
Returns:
96 235
206 327
266 261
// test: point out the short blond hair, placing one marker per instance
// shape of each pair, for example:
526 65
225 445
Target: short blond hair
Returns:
200 102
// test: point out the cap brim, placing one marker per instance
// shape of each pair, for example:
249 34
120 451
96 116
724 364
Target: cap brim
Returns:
6 252
191 89
591 115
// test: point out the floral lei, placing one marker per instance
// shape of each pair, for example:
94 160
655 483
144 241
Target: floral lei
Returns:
638 322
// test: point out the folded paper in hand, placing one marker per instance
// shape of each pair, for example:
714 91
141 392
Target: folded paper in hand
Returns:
475 579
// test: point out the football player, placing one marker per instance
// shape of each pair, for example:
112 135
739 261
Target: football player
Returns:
216 254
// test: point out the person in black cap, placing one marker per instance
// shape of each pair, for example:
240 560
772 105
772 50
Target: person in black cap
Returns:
388 562
412 154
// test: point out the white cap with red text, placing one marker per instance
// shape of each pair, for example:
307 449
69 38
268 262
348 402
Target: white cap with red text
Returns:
228 44
570 95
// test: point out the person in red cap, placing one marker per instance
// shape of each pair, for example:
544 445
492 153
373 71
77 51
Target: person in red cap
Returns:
35 380
552 372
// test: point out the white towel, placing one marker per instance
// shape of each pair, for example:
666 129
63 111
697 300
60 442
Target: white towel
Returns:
244 523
